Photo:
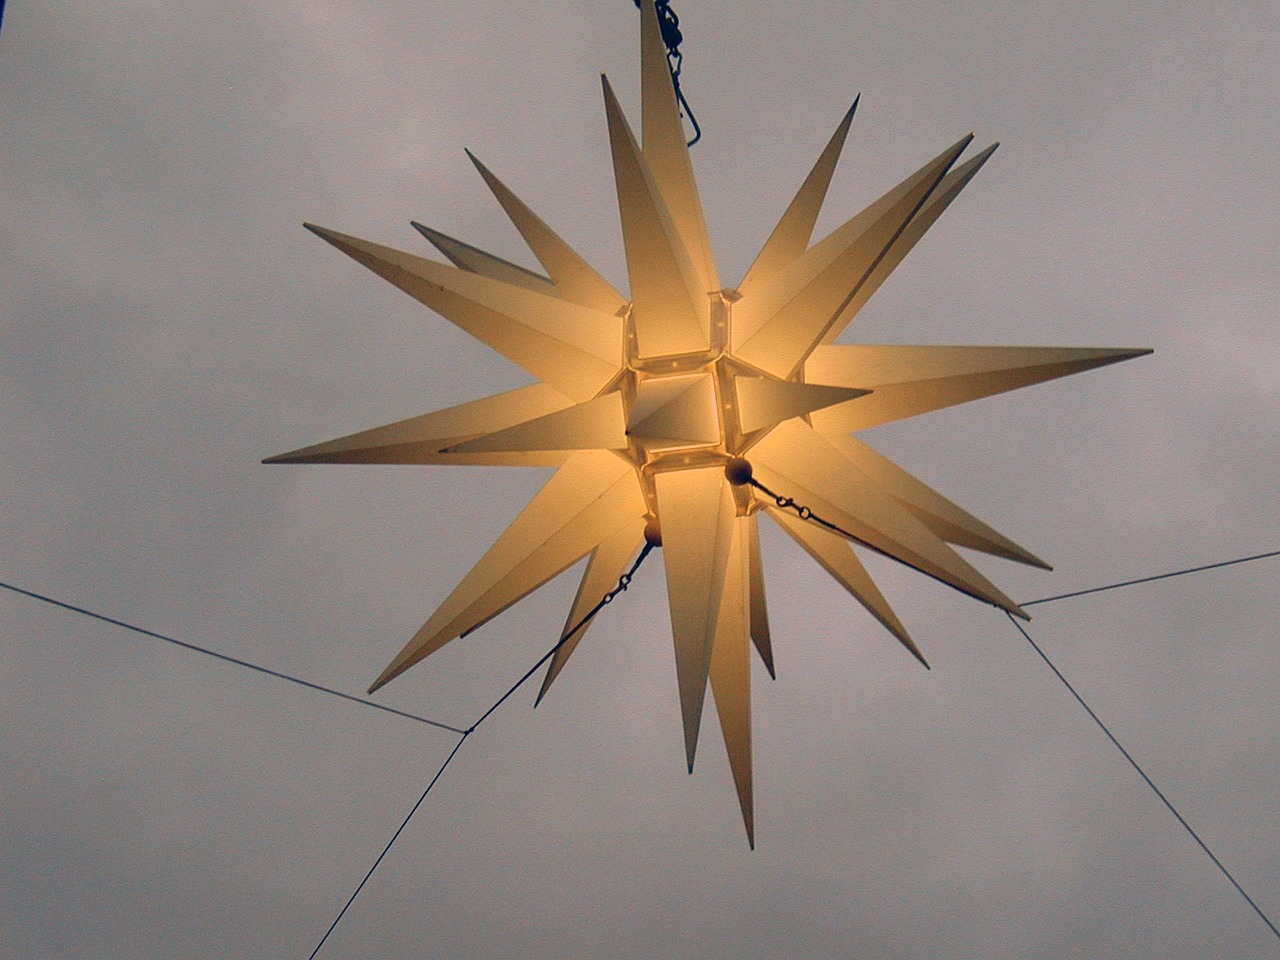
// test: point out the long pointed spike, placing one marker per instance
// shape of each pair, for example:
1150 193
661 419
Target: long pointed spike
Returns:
697 511
665 150
793 310
946 519
730 672
790 238
910 380
946 191
608 562
579 492
598 424
671 310
574 278
419 440
467 257
834 554
759 609
794 457
573 348
763 401
617 506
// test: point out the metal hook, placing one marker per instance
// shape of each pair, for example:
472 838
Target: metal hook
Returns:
672 38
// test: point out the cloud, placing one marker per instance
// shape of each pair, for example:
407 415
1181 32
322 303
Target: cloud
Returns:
167 323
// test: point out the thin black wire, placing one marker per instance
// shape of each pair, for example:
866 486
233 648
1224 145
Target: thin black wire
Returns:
805 513
1142 773
623 583
226 658
352 899
1158 576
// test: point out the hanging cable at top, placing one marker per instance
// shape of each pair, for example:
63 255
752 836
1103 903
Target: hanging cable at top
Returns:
672 38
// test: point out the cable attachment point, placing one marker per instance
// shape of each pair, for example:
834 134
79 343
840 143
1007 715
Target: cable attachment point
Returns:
624 581
738 471
671 39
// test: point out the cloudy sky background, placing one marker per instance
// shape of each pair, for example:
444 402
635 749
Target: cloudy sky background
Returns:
167 323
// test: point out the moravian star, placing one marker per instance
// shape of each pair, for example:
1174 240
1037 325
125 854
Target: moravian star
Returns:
641 401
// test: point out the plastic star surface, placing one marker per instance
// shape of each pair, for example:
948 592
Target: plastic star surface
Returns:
640 403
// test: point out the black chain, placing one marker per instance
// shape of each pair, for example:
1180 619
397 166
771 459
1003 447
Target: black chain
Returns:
806 513
672 38
623 582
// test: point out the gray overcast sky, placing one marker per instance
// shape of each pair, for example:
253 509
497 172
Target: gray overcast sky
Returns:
167 323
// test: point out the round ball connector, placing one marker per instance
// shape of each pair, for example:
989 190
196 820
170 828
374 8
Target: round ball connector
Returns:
653 533
738 471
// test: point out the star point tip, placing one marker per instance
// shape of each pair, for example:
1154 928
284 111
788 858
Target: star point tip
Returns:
291 456
387 675
324 233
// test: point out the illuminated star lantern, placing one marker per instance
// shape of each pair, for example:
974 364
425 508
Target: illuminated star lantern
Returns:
641 402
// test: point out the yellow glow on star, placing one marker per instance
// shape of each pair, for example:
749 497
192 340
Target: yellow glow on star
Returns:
641 402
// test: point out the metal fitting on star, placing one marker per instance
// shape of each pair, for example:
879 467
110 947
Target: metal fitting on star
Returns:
738 471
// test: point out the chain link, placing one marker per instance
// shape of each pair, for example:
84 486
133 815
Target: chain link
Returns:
671 39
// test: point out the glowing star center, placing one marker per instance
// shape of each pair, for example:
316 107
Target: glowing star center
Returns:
676 411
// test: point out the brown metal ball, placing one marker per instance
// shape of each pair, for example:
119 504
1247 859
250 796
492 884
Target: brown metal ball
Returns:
738 470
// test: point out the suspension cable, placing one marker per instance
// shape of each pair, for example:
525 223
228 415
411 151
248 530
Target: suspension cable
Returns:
806 513
1158 576
623 583
226 658
395 836
1142 773
738 471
